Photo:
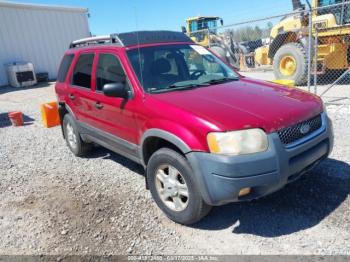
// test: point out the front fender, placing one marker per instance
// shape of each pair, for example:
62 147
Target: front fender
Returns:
177 141
188 138
183 139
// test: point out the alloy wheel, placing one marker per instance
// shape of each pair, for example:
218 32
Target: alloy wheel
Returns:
172 188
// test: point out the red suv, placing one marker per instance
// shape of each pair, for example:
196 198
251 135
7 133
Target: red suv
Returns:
205 135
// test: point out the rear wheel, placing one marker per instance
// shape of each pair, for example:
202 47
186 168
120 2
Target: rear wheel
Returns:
171 182
290 62
72 136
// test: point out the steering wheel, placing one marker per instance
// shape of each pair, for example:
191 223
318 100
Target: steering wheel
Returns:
197 74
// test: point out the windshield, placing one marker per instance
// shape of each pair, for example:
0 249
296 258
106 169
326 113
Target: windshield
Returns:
168 67
203 24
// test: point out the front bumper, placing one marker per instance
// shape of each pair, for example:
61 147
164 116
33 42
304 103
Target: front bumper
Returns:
220 177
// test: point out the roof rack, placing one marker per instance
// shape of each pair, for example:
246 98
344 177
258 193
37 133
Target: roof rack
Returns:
133 38
97 40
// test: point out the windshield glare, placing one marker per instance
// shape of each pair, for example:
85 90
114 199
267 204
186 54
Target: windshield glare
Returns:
161 68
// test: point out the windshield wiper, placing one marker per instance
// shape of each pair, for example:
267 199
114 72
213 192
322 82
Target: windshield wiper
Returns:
221 80
190 85
175 87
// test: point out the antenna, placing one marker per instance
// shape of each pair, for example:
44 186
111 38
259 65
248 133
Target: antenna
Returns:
138 45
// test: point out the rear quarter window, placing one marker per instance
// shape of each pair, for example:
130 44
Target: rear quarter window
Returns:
64 67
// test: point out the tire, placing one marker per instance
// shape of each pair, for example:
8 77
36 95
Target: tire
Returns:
79 147
195 208
298 53
248 59
226 55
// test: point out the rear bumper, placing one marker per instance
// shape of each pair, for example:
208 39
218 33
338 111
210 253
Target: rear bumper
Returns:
222 177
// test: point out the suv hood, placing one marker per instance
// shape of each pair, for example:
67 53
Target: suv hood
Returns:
245 104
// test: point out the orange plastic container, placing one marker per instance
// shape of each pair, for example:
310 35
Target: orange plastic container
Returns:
16 118
49 114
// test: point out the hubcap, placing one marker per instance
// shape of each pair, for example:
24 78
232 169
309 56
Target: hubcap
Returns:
72 139
172 188
288 65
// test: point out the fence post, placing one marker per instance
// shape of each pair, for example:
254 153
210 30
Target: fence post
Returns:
315 61
309 49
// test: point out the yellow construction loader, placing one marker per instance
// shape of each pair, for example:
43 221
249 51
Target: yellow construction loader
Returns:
203 30
288 49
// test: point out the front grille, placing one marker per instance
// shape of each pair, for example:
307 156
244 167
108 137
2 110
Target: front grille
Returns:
291 134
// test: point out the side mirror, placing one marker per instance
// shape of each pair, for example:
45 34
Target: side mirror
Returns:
115 90
183 29
221 21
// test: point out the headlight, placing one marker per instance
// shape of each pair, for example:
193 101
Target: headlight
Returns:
238 142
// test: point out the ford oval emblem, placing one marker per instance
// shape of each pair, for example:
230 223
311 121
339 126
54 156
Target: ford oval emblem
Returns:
304 129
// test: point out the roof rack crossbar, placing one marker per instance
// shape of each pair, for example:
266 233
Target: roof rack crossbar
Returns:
116 38
133 38
97 40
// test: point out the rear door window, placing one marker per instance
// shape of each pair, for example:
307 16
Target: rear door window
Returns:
82 71
64 67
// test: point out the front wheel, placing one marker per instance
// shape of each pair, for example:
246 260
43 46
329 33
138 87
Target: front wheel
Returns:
172 185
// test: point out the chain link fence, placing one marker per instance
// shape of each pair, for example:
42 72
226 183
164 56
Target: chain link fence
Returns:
331 52
308 48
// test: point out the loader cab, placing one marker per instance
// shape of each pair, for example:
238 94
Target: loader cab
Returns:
338 15
197 27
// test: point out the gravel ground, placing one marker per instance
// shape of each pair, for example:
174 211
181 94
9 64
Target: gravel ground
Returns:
54 203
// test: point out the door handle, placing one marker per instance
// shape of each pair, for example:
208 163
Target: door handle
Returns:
71 96
98 105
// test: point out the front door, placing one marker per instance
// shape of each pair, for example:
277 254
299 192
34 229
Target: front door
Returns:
114 116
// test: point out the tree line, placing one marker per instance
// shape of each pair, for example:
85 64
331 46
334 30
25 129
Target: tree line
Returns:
250 33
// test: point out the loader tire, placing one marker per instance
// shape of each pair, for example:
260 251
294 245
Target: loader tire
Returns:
248 59
290 62
224 54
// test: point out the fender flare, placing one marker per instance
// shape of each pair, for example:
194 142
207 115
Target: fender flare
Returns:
155 132
62 106
184 148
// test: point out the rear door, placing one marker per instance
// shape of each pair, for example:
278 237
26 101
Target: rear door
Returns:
80 95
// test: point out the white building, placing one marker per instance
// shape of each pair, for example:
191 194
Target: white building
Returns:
38 34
